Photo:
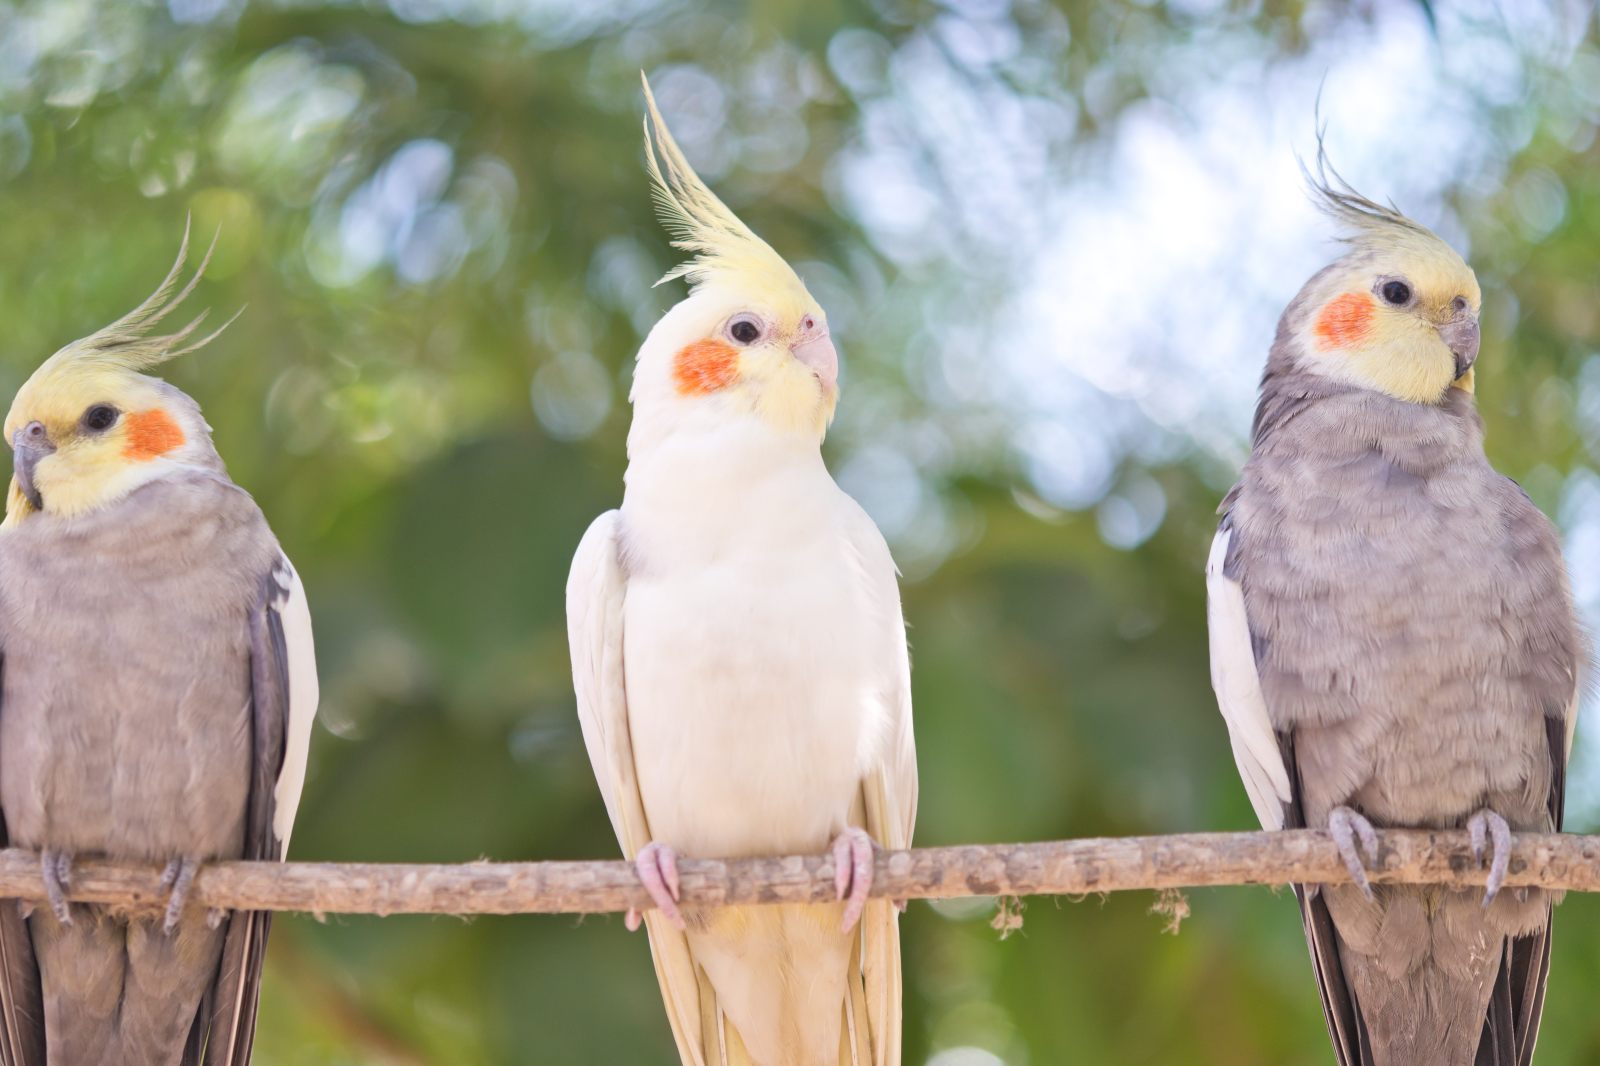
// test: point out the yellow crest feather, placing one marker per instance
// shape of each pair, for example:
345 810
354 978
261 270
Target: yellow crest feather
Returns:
1369 225
723 247
127 343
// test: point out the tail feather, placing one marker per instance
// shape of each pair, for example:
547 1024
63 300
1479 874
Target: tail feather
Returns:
236 993
1351 1042
1511 1024
21 1003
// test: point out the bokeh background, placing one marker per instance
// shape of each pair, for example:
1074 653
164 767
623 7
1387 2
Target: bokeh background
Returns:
1053 239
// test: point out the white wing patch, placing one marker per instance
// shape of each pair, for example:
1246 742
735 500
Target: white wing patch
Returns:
289 600
1238 689
596 589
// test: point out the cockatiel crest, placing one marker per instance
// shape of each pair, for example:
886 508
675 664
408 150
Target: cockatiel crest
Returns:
88 427
1398 312
749 336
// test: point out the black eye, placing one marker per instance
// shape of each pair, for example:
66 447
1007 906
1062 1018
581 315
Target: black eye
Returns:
100 417
1396 292
1459 303
745 329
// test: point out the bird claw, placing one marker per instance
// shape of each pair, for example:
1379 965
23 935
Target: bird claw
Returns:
657 866
852 873
1347 827
56 869
179 877
1488 824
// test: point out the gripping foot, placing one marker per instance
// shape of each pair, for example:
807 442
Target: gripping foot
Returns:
1347 828
657 866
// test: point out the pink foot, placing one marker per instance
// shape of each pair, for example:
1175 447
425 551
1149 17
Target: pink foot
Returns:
657 865
852 873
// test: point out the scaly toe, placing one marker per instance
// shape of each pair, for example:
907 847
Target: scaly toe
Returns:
1346 827
852 873
1487 823
657 866
56 869
182 879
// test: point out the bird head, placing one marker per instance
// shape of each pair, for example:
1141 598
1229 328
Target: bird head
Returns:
1397 313
749 339
87 427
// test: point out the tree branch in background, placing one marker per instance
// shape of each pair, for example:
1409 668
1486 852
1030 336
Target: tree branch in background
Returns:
1057 868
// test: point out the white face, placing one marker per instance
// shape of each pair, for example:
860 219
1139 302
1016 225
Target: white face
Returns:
744 356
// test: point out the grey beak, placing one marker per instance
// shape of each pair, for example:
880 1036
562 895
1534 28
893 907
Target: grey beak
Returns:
1461 336
30 444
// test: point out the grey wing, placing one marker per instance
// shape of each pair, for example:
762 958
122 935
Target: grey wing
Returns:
1511 1027
283 680
1265 758
21 1001
1257 750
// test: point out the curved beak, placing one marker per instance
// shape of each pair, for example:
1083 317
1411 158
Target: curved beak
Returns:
1461 336
818 353
28 445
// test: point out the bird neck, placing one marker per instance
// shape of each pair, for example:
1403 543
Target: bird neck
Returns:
727 488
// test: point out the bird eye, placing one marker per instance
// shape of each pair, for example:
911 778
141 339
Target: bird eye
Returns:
1459 303
100 417
745 328
1396 292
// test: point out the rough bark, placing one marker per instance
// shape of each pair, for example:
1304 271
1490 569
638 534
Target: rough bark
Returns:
1065 867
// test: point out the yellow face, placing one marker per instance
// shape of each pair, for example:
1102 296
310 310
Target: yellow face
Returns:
776 353
1401 318
82 437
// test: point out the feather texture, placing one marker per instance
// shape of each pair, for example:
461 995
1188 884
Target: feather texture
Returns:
722 247
1255 743
1413 641
157 734
128 343
812 740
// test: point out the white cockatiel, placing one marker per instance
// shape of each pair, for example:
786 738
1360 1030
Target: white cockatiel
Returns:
740 659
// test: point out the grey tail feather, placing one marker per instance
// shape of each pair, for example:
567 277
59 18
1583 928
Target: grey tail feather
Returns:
232 1006
1346 1031
21 994
1511 1023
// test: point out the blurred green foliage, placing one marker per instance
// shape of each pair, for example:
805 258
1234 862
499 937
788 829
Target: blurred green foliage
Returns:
435 214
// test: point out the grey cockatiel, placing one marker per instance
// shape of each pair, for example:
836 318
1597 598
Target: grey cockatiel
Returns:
1393 643
159 689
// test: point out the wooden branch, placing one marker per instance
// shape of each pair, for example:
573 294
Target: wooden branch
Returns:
1066 867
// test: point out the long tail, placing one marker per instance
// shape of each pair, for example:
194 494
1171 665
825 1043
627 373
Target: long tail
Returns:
1410 1019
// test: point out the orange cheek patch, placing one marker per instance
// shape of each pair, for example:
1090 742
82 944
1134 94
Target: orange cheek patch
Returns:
703 367
1346 321
150 434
